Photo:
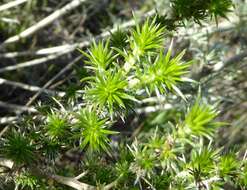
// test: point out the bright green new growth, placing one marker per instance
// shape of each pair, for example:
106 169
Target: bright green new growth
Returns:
164 73
25 179
145 67
200 120
202 162
99 56
243 174
109 91
229 166
92 130
146 38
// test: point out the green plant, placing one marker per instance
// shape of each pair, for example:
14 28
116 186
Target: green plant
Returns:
200 119
108 90
92 130
200 9
56 127
124 72
26 180
17 147
100 56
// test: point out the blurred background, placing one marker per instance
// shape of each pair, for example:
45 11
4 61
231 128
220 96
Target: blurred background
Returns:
38 56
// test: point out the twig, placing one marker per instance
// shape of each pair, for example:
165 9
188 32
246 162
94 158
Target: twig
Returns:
72 182
73 47
17 107
6 163
69 181
46 21
150 109
45 51
31 63
223 26
81 175
137 131
67 48
220 66
33 98
11 4
5 120
199 31
29 87
153 100
112 184
58 83
234 59
52 80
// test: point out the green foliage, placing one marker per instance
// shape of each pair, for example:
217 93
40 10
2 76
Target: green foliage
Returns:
170 152
243 175
99 170
202 162
18 148
219 8
144 161
122 169
195 9
164 73
200 120
26 180
57 126
169 23
50 148
119 39
99 56
109 91
147 38
92 130
200 9
229 166
162 181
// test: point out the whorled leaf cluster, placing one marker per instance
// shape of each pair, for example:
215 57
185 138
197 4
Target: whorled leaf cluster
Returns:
200 9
